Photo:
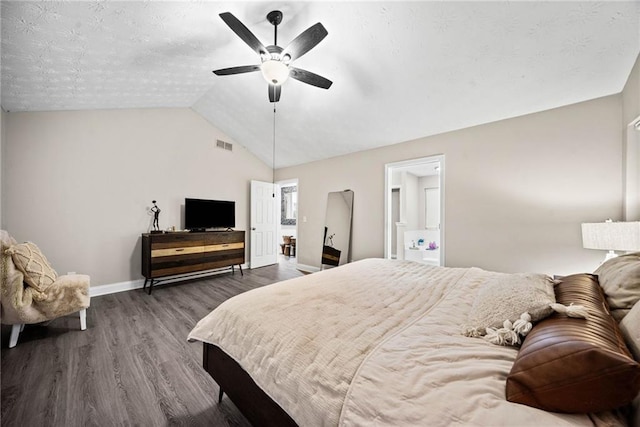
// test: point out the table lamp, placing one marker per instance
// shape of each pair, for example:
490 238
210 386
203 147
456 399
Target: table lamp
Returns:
611 236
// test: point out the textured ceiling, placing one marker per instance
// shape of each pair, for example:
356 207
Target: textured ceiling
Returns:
401 70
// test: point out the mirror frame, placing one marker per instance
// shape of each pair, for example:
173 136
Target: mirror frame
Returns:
283 207
334 256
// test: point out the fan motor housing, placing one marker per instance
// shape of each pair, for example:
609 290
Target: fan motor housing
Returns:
274 52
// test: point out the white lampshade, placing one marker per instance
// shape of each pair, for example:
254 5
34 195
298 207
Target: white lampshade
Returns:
274 72
611 236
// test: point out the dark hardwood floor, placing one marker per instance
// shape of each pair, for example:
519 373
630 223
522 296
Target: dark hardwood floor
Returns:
132 366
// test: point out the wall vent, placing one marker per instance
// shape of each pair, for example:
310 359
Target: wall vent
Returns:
224 145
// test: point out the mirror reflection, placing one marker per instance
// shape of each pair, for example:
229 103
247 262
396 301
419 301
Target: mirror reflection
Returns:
289 205
337 230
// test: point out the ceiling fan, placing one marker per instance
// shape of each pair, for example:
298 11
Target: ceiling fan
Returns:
276 61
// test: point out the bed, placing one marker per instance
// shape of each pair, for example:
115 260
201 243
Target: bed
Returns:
374 342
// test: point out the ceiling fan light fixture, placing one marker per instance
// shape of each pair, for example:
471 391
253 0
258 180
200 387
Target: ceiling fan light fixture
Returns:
274 72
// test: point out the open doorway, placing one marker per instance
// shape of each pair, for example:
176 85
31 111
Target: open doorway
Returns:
287 240
414 210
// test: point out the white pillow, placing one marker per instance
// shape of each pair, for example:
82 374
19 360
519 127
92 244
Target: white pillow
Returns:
630 327
620 280
507 298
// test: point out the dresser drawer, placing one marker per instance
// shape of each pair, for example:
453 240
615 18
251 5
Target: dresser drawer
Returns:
185 250
223 247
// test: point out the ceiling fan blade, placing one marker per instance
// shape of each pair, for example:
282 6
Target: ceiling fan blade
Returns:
309 78
244 33
274 93
305 41
237 70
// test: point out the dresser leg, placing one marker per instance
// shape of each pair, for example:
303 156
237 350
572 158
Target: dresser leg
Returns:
145 283
240 267
150 286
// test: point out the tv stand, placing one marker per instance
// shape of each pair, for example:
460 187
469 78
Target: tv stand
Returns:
178 255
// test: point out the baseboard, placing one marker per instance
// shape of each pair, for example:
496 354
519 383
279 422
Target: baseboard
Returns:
113 288
307 268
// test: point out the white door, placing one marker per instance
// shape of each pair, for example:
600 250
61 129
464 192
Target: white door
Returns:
263 224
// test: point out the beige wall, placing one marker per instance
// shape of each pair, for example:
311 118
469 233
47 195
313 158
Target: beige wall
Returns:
631 95
631 138
79 183
516 190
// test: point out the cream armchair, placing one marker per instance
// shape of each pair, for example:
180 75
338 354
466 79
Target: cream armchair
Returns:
32 292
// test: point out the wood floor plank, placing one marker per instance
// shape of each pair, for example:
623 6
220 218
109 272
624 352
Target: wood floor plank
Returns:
132 366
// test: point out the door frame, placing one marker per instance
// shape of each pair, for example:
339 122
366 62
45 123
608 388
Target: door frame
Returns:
388 185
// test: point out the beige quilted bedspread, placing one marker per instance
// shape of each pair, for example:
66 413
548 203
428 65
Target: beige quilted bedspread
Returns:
375 342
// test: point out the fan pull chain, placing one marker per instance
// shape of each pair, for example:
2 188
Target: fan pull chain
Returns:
273 168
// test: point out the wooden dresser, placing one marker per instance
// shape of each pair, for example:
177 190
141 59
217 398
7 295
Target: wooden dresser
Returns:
172 254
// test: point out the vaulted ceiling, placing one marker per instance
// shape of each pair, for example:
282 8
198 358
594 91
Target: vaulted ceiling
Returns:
400 70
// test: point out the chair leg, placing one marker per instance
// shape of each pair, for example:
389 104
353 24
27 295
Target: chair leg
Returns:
15 331
83 319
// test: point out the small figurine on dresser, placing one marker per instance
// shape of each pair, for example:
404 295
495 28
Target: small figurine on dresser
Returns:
156 214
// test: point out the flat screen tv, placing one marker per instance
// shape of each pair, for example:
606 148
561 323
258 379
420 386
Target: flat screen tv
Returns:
200 214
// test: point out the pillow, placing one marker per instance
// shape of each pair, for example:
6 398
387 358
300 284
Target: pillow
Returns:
575 365
37 271
620 279
630 327
619 313
507 297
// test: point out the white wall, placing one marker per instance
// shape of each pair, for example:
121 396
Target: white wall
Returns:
516 190
631 95
411 205
79 184
630 112
425 182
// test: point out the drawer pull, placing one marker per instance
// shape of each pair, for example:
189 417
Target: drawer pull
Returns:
225 246
180 250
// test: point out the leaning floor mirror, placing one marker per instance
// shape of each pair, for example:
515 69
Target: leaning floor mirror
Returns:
337 230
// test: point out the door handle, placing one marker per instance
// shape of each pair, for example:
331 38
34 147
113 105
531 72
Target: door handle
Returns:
253 229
